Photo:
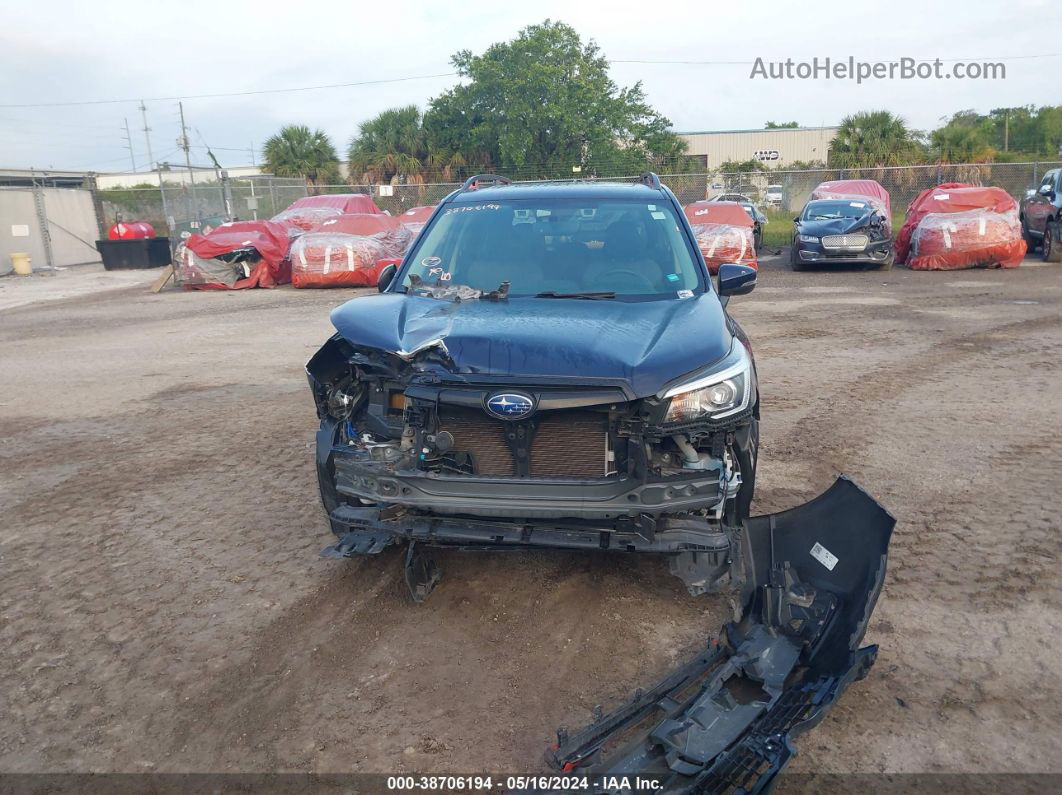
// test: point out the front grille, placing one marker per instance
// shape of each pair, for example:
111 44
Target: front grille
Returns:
850 242
565 444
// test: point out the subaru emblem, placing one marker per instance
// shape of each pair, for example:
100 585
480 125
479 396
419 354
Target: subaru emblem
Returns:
510 406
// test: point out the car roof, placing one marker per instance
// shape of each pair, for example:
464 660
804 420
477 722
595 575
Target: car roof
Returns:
841 200
560 190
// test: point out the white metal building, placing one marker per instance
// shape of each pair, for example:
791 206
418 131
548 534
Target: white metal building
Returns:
775 148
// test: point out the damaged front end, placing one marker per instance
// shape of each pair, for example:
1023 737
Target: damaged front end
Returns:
410 448
725 721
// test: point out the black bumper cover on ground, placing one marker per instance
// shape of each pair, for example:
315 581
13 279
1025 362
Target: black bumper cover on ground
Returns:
725 721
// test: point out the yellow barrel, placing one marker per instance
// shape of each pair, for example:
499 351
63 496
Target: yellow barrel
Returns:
20 261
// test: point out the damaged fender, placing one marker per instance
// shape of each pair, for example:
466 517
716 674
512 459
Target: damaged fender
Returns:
725 721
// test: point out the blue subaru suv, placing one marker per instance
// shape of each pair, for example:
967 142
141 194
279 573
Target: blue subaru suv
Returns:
551 365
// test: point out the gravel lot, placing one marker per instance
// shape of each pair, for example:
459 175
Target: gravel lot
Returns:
163 607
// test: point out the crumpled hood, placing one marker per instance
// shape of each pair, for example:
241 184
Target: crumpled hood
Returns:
837 226
646 343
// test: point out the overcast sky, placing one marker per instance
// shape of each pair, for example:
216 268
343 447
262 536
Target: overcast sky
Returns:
76 51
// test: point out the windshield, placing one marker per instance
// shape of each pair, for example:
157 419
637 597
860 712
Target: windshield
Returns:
601 247
826 210
754 214
774 188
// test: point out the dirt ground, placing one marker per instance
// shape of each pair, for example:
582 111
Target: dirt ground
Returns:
163 606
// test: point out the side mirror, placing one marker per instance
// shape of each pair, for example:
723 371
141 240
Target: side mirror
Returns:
1048 191
387 275
736 279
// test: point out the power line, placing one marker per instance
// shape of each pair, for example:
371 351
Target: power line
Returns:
227 94
455 74
888 60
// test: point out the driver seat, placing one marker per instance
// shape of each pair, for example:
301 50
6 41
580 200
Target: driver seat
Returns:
625 250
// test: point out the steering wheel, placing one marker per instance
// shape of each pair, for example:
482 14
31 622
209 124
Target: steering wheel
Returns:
639 278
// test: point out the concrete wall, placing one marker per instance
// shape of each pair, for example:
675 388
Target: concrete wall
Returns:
72 224
17 210
774 148
178 176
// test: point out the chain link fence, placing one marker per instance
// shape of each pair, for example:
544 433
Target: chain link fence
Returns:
903 183
178 208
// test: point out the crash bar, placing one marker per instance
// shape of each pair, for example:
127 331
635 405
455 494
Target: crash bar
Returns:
473 182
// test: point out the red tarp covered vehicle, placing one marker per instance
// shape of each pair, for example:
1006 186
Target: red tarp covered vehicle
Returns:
866 189
131 230
416 217
348 251
724 233
956 226
309 212
236 255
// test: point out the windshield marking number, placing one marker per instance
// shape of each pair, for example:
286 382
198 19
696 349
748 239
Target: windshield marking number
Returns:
471 208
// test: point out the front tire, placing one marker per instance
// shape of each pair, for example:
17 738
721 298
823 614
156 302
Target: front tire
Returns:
1052 251
794 260
889 261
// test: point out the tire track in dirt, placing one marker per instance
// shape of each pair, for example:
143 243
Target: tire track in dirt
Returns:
840 438
516 605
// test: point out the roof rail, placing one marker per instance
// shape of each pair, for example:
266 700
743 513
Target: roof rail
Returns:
650 179
473 182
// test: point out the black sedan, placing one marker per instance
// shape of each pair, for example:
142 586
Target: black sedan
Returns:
841 232
758 221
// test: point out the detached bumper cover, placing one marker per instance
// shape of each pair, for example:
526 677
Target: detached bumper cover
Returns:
725 722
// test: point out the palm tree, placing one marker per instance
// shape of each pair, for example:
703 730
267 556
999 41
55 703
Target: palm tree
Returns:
874 139
391 144
298 151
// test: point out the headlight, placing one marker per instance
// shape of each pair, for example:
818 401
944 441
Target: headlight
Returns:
716 395
807 239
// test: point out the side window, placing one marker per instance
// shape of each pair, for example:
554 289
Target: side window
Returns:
1049 179
1058 175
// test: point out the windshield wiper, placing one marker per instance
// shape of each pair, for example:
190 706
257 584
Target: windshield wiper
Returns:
600 296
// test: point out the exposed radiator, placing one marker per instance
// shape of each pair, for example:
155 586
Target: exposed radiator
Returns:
566 443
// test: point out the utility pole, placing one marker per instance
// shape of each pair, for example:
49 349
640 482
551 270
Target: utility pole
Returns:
184 144
147 136
1006 130
252 155
129 146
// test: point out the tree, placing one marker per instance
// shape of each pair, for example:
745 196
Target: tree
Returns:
966 138
542 104
786 125
1002 134
391 144
803 165
741 166
874 139
298 151
738 173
